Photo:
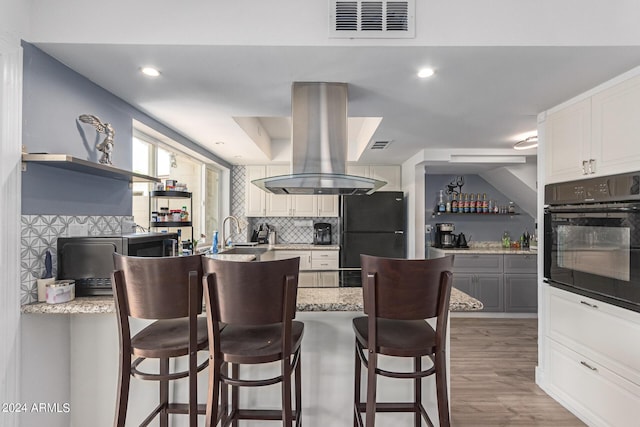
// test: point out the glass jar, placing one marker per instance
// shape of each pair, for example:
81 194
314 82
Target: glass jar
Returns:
506 240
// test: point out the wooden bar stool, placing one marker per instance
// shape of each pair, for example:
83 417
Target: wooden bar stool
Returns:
256 301
169 291
399 295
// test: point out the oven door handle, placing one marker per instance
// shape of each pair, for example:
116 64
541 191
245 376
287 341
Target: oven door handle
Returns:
589 209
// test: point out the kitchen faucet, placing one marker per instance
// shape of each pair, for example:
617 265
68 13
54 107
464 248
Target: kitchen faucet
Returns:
224 222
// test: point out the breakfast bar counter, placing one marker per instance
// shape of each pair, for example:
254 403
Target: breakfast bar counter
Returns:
82 337
309 299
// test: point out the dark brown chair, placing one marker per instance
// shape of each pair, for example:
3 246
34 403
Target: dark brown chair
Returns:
256 301
399 295
169 291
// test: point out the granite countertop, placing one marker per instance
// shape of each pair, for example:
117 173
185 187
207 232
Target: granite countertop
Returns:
300 247
478 248
232 257
309 299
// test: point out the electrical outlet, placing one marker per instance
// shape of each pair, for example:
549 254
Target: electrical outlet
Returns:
74 230
303 223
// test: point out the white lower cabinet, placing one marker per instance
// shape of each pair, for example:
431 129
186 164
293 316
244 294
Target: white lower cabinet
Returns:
592 358
310 260
599 395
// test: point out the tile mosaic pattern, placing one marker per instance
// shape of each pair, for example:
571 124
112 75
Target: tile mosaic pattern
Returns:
287 231
39 233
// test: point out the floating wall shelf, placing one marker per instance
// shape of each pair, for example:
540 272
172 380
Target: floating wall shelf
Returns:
64 161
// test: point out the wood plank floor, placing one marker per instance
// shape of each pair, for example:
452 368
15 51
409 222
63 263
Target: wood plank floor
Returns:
492 376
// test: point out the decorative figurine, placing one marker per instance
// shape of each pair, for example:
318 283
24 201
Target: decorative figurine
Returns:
106 146
455 186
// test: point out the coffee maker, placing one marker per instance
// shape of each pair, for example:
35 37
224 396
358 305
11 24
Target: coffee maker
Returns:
444 235
321 233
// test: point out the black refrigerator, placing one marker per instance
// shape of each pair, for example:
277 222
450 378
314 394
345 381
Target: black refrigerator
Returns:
370 225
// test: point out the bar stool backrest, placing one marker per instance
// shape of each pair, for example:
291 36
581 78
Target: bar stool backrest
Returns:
158 287
253 293
406 289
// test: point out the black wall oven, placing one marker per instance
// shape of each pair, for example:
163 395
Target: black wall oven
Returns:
592 238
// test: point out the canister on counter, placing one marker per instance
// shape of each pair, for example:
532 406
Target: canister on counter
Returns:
61 291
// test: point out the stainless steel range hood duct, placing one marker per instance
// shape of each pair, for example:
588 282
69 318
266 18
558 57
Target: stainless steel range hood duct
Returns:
318 145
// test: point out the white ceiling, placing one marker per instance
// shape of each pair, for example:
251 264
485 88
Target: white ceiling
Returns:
480 97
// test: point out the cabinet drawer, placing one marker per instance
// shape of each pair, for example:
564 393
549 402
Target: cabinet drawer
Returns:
324 264
520 263
604 397
324 255
606 334
305 257
470 263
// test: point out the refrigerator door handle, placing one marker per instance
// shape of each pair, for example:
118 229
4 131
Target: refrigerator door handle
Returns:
399 232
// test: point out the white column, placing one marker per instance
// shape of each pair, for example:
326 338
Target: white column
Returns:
413 186
10 163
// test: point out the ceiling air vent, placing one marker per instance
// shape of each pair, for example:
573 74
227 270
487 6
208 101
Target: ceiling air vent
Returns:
372 19
379 145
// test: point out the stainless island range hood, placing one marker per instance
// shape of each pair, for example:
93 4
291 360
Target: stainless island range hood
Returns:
318 145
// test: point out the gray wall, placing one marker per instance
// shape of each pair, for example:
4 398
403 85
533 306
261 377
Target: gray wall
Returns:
53 98
480 227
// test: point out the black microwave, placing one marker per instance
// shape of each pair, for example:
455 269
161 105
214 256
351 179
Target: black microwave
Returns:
89 259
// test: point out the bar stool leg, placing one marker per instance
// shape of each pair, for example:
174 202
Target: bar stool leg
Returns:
164 393
223 409
286 392
356 388
124 380
235 401
417 391
299 390
441 389
211 416
371 389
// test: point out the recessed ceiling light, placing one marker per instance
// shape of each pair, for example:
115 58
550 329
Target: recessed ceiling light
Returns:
426 72
150 71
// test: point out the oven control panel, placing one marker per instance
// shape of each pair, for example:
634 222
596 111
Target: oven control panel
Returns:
623 187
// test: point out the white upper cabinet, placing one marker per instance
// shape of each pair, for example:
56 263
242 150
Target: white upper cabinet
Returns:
616 128
328 206
391 174
255 198
599 135
568 142
304 205
278 204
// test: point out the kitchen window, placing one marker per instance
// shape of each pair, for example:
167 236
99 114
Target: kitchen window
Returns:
155 158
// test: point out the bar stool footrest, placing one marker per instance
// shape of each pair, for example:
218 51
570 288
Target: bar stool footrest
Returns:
391 407
183 408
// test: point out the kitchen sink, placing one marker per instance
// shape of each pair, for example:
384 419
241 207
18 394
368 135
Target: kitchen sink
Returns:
245 251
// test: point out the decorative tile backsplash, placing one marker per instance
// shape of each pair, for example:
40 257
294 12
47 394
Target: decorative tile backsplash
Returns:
40 232
284 226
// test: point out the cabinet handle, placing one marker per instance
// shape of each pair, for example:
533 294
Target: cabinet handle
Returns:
585 364
584 167
589 304
592 166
